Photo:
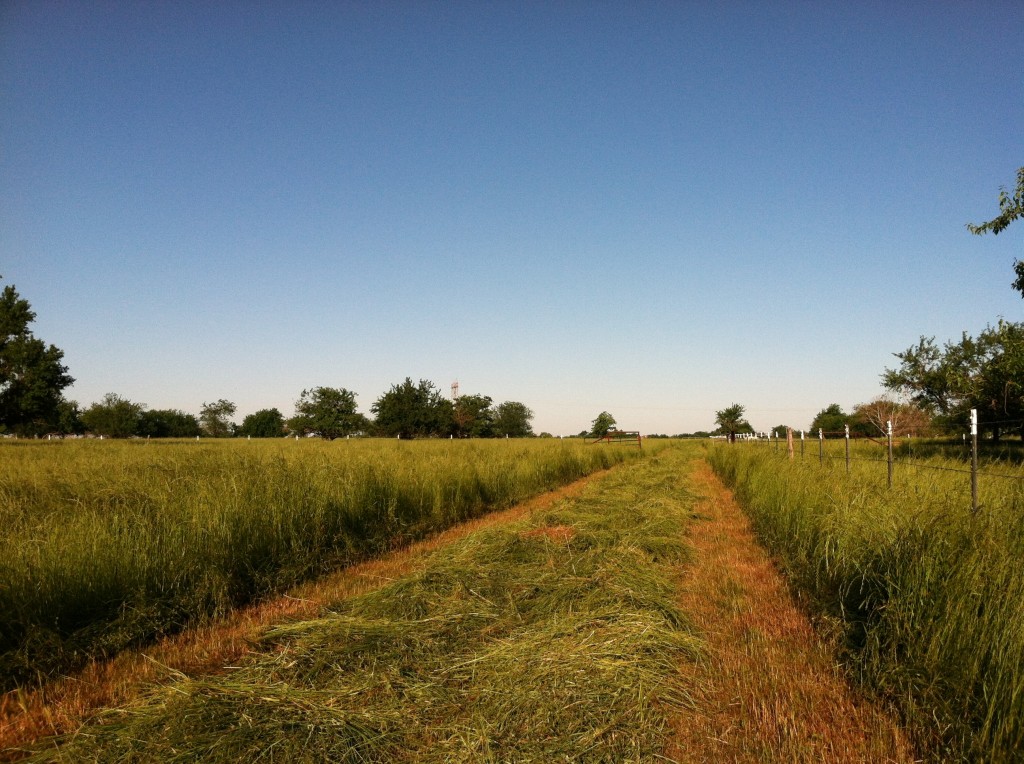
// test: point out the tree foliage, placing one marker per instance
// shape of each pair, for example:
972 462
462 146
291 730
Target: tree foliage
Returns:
830 419
113 417
265 423
413 411
873 418
473 416
329 412
215 418
985 373
512 420
69 418
730 422
602 425
168 423
1011 207
32 374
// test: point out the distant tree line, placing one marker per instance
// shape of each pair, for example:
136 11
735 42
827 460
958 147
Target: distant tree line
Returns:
408 410
33 378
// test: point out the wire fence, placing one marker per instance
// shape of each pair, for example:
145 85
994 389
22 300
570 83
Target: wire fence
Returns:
901 454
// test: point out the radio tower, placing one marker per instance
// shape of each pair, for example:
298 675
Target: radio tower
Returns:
455 391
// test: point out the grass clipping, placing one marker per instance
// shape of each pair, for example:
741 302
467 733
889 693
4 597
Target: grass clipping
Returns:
558 639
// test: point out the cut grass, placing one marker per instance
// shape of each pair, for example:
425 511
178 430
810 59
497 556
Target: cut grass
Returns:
558 639
107 545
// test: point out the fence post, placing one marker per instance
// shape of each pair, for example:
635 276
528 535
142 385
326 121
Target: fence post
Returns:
974 460
888 434
847 449
821 446
801 444
789 442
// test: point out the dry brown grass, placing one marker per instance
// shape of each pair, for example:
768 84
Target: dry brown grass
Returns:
64 705
769 689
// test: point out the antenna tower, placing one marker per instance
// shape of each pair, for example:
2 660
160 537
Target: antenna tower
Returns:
455 390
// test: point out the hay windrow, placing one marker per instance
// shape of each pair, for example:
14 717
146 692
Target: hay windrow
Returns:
554 639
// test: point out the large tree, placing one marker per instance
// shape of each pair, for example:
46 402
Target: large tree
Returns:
603 423
168 423
32 374
215 418
113 417
512 420
830 419
984 373
873 418
1010 208
265 423
473 417
730 422
411 410
329 412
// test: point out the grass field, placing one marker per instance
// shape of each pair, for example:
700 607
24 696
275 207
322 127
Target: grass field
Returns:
553 639
106 544
923 594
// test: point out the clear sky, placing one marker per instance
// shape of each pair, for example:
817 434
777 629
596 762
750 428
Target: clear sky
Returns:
656 210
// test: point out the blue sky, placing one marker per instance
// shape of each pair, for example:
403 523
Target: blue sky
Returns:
656 210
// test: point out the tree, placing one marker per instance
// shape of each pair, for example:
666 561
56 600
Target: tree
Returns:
830 419
512 420
329 412
1010 208
602 425
413 411
984 373
113 417
730 422
265 423
32 375
168 423
215 418
69 418
873 418
473 417
780 430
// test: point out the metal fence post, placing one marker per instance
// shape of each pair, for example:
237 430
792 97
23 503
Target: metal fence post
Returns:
888 433
801 444
847 449
974 460
821 446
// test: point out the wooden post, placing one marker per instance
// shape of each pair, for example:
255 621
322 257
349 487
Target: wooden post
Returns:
789 442
974 460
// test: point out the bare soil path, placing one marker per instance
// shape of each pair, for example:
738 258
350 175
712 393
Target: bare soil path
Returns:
768 690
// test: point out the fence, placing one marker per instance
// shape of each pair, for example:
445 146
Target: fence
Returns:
890 459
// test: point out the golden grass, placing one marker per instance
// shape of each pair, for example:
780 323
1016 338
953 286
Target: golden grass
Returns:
65 704
767 688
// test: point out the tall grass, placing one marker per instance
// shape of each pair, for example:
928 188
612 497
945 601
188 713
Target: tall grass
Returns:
106 544
556 639
925 594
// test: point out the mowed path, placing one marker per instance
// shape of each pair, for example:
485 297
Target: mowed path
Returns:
767 690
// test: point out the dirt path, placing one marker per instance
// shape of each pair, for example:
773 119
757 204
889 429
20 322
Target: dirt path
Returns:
767 690
64 705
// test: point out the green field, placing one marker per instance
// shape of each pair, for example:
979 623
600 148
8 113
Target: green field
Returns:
552 639
923 595
106 544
